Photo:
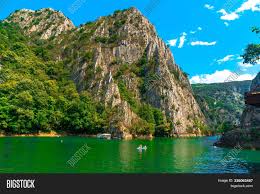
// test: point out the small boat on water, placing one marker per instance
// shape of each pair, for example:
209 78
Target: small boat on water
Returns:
141 148
104 136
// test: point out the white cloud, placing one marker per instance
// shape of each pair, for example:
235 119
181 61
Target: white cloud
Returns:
246 76
195 31
182 40
253 5
224 13
220 77
202 43
245 65
226 24
228 16
210 7
225 59
173 42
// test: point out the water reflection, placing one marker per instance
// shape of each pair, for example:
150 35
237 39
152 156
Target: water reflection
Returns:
162 156
185 153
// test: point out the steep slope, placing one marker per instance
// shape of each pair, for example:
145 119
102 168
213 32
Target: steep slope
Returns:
248 135
36 93
44 23
222 103
123 63
251 114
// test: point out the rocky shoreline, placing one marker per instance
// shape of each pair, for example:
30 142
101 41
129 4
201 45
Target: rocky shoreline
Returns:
247 139
129 137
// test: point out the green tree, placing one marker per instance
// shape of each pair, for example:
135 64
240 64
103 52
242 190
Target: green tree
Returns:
36 93
252 52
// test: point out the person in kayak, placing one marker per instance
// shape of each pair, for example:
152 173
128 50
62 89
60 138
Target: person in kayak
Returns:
141 147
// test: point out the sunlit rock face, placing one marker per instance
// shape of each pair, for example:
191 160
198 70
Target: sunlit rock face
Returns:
45 23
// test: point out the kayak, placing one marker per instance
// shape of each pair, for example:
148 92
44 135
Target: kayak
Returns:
140 148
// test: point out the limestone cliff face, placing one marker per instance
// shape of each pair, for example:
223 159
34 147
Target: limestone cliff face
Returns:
45 23
123 63
251 114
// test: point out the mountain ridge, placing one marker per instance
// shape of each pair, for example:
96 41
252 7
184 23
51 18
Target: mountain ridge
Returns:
122 62
222 103
247 134
35 21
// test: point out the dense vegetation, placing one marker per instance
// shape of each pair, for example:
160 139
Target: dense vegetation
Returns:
53 80
252 52
222 103
36 93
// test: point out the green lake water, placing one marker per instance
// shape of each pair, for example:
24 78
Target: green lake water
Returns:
50 155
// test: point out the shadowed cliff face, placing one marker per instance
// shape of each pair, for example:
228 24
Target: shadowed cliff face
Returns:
123 63
251 114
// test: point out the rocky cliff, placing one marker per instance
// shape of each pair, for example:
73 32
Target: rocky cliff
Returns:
222 103
251 114
248 134
44 23
121 61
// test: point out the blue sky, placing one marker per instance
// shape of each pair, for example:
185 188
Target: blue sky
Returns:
207 37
